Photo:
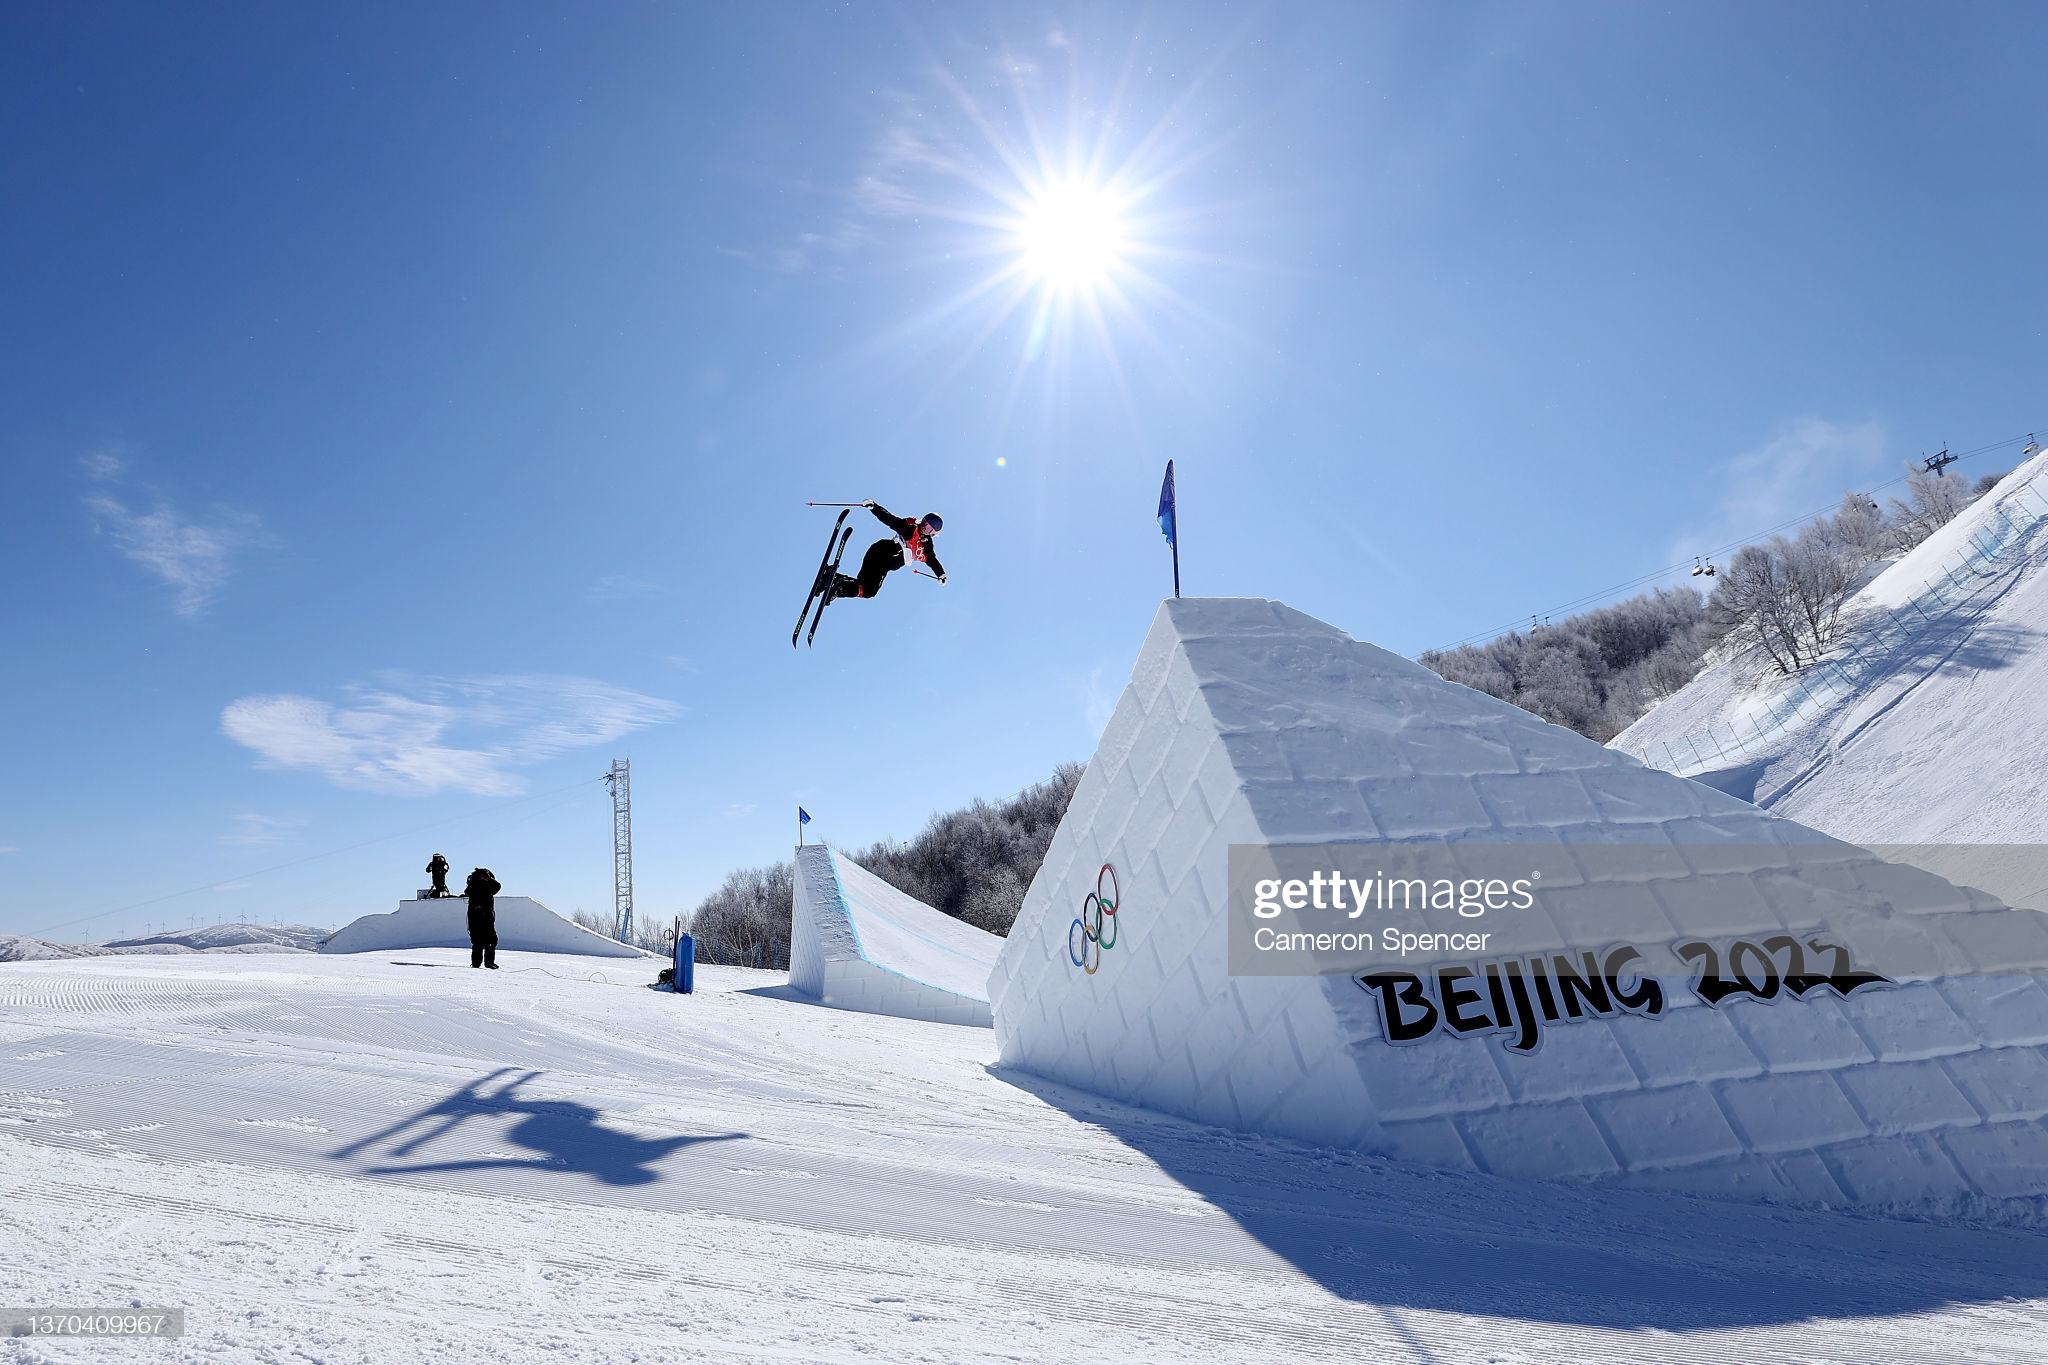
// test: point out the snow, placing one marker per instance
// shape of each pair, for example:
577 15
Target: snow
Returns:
1248 723
859 943
2010 499
213 938
372 1158
524 925
1927 727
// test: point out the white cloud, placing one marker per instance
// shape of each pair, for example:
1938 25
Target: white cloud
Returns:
258 831
621 587
102 466
1805 467
8 848
905 155
739 809
422 735
191 556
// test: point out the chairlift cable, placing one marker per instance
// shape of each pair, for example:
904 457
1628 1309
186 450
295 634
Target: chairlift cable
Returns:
1607 594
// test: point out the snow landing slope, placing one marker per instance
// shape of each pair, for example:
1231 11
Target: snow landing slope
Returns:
1928 725
858 943
345 1158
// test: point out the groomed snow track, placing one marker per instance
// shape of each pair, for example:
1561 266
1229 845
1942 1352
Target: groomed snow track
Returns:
400 1159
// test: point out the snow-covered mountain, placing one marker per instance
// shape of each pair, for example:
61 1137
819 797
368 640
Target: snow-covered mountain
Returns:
249 936
1925 726
214 938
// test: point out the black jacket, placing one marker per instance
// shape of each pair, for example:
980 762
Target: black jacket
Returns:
482 890
908 532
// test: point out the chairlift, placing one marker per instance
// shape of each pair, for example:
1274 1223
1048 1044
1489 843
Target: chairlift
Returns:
1710 568
2033 447
1939 462
1702 569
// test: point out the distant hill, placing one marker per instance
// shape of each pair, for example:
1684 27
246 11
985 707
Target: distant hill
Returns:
1781 601
1923 724
214 938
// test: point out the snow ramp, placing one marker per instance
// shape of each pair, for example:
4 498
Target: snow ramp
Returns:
858 943
1598 1034
524 926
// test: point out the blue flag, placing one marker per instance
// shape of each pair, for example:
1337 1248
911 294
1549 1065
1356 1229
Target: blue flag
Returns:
1166 506
803 817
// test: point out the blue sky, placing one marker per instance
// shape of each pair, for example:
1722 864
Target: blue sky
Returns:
405 410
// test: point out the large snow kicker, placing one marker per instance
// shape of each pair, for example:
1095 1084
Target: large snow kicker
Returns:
1247 723
524 926
860 944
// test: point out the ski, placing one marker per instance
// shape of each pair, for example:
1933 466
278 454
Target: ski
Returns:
825 598
820 580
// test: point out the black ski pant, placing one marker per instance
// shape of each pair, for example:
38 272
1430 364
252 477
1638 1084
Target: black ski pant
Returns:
483 938
883 558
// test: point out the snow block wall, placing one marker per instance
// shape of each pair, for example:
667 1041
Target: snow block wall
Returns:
524 926
858 943
1247 722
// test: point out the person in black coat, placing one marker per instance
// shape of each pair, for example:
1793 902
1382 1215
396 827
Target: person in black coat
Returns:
482 890
909 541
438 870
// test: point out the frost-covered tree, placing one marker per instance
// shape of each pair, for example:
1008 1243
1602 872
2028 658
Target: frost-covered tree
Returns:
975 863
1594 673
1931 502
1599 671
745 922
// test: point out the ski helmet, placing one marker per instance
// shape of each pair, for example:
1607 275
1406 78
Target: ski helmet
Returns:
930 521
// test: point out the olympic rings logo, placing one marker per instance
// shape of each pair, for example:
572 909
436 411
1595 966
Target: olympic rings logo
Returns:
1095 931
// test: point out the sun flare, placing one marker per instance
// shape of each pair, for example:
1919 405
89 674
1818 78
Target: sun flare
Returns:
1071 236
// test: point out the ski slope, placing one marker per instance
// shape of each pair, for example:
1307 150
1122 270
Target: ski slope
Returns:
1930 724
393 1158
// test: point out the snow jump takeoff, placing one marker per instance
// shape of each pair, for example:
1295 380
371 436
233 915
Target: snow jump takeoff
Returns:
908 542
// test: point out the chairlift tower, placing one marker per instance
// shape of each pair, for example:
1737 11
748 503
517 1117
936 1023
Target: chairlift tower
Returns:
620 780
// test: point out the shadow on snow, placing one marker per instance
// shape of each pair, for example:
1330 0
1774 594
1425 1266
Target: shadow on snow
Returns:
564 1136
1388 1233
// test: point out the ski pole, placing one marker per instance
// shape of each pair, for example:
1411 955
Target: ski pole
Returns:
835 504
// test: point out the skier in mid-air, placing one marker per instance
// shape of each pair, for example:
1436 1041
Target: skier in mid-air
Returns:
908 541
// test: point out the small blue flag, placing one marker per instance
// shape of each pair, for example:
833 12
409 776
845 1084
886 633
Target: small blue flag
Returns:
803 817
1166 506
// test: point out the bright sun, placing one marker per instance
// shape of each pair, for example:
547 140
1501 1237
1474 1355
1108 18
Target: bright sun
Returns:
1072 236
